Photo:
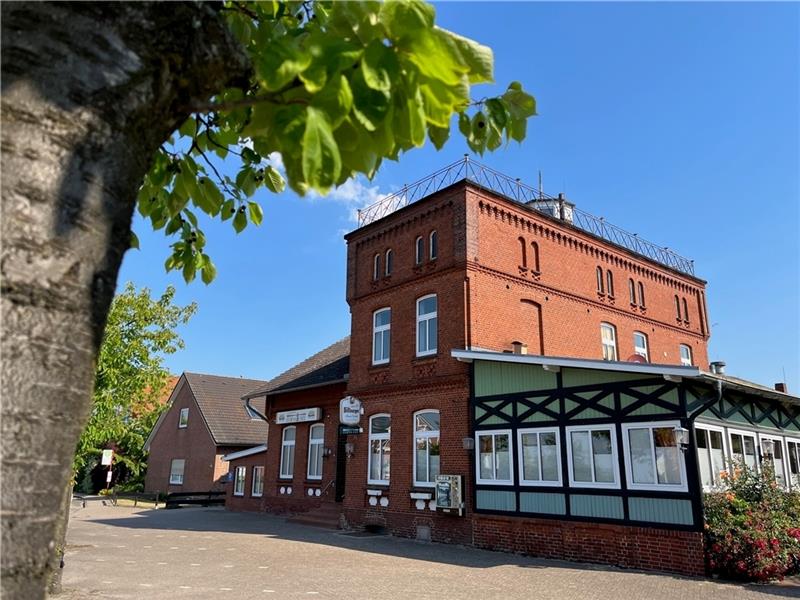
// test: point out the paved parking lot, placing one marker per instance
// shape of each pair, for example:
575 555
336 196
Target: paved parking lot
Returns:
116 552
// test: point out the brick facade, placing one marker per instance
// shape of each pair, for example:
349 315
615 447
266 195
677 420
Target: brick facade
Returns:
489 297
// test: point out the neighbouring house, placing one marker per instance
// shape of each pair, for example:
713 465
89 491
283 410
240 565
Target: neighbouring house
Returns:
303 465
531 378
206 420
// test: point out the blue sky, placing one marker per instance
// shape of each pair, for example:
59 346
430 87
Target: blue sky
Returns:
676 121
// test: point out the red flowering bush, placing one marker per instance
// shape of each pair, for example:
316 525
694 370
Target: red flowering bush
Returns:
752 527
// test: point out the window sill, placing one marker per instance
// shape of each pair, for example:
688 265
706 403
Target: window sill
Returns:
421 495
425 358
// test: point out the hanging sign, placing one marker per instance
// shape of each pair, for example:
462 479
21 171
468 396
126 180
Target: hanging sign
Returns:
349 411
108 456
300 415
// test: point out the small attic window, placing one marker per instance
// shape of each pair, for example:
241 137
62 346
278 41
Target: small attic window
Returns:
250 412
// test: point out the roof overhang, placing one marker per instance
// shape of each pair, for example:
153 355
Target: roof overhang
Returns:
245 452
744 387
178 386
576 363
293 389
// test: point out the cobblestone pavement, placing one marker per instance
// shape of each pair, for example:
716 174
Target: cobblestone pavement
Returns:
116 552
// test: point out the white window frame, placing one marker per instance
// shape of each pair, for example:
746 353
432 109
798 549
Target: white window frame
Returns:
642 303
383 330
419 250
778 441
426 435
744 432
183 418
236 490
725 459
615 485
520 457
433 245
283 473
603 344
427 317
315 442
260 493
494 433
173 480
376 267
792 485
646 347
626 451
388 262
680 354
378 436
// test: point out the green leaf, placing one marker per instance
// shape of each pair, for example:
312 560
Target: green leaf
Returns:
274 180
134 241
438 135
321 159
519 104
336 99
464 124
478 58
246 181
497 112
228 210
380 66
240 220
189 127
255 212
403 19
281 63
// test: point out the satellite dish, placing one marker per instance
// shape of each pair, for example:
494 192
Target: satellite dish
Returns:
637 358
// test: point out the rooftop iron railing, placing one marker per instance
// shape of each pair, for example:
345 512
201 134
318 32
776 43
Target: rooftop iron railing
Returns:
552 206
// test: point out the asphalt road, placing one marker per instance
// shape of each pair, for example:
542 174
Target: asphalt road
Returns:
117 552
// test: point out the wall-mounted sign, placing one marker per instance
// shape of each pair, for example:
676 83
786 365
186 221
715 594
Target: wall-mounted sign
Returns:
300 415
108 457
349 430
349 411
448 494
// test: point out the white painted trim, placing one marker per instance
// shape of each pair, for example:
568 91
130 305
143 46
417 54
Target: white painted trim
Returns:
320 443
421 495
427 317
494 432
743 432
382 329
520 458
246 452
423 435
725 459
235 479
577 363
793 440
253 483
614 457
656 487
181 423
182 474
377 436
284 443
780 440
374 492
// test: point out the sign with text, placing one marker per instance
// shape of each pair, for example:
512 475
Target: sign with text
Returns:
108 456
448 493
300 415
349 430
349 411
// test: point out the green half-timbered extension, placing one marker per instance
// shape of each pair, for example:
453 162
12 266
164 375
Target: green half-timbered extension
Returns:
626 443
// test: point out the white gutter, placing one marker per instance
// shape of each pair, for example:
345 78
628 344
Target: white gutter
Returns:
245 452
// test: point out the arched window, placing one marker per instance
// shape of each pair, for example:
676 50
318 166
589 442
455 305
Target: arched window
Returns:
599 280
316 442
685 311
632 291
686 355
433 244
419 250
287 452
427 325
640 344
388 260
641 295
535 257
380 429
381 336
376 267
677 307
426 447
523 247
610 284
608 337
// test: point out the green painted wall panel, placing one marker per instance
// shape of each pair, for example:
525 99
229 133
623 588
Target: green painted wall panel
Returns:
538 418
606 507
495 420
661 510
496 500
505 378
479 412
591 413
576 377
542 502
650 409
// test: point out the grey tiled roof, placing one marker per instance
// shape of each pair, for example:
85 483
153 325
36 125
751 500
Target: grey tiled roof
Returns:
326 366
220 401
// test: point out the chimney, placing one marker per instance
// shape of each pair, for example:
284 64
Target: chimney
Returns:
781 387
519 348
718 367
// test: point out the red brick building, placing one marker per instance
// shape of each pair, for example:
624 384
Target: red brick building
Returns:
206 420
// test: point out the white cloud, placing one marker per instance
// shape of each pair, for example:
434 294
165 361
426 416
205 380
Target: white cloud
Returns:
354 194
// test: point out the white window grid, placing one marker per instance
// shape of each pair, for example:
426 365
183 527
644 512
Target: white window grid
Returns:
744 433
640 345
287 453
427 435
177 467
608 338
379 332
426 319
725 456
778 442
626 447
257 488
315 448
183 418
378 437
793 449
520 457
238 481
615 485
494 433
686 355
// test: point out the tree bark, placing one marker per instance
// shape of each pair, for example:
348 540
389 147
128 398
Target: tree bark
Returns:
89 92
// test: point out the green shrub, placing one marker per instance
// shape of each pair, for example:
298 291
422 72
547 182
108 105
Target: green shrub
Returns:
752 527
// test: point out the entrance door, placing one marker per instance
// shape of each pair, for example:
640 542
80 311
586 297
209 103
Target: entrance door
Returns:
341 465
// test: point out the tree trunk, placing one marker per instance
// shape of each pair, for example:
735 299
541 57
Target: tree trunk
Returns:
89 92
